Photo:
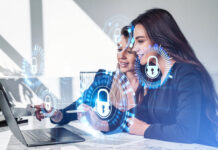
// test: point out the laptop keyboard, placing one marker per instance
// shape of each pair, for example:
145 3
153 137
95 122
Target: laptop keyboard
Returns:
38 135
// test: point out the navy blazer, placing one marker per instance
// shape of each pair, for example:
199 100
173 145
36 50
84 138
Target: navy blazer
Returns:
176 111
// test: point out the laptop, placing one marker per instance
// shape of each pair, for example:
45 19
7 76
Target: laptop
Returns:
36 137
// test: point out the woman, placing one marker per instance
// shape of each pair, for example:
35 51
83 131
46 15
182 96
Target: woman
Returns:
184 108
126 59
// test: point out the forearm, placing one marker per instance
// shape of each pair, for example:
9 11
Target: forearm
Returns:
61 117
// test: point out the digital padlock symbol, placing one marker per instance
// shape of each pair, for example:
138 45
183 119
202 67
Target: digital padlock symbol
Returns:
48 103
152 71
116 35
34 66
102 106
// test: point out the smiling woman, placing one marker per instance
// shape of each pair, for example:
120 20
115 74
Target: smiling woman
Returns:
123 88
125 56
184 108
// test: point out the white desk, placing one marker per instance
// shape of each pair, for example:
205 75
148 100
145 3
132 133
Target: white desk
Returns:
121 141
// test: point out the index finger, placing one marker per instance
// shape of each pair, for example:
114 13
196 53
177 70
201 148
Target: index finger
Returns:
38 106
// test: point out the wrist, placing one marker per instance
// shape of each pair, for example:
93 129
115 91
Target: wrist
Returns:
57 117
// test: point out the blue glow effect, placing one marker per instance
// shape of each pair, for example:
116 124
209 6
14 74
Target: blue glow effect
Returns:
113 26
104 80
131 39
42 92
132 28
141 76
129 30
28 82
36 66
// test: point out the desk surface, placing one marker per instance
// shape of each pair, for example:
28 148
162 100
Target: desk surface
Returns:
94 140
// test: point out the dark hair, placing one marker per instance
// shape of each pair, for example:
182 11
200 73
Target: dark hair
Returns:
163 30
124 31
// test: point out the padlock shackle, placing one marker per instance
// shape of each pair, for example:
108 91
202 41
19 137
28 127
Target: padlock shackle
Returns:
102 90
102 112
148 61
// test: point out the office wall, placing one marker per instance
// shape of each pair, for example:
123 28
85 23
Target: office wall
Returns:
69 41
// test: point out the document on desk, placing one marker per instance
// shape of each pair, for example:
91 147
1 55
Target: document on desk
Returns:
98 139
123 141
115 140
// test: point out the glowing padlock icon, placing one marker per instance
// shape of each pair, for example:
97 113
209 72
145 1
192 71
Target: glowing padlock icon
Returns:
48 103
34 66
152 71
103 106
116 35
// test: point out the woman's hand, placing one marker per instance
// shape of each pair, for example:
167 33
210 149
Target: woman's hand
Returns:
38 111
137 126
56 117
92 118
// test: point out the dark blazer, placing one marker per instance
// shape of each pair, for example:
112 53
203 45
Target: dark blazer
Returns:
176 111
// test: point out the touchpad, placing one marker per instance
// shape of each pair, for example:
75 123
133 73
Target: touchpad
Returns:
62 134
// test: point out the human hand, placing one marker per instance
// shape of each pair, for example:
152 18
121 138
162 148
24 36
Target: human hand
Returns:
137 126
57 116
92 118
40 115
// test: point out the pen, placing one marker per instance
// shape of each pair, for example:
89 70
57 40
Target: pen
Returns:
75 111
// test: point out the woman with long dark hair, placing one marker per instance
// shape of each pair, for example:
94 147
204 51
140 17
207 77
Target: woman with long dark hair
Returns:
184 108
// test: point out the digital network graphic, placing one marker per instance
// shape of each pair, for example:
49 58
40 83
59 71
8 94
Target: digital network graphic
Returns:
152 71
130 40
102 104
113 26
33 70
49 101
99 95
37 63
149 75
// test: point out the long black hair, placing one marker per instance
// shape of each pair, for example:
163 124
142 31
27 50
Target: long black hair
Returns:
163 30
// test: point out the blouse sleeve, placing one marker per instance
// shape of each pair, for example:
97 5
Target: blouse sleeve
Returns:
67 117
